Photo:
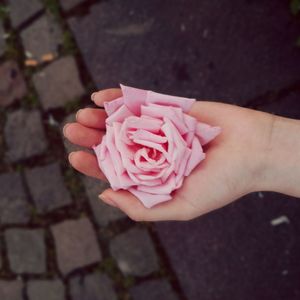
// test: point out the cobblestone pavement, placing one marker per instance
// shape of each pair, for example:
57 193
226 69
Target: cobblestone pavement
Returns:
57 240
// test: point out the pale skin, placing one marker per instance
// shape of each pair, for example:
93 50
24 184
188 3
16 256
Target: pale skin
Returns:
256 151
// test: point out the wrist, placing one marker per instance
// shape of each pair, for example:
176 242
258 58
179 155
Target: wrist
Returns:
279 167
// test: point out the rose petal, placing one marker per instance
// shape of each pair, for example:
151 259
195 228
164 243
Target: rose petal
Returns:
163 189
113 152
179 144
167 130
142 134
138 181
119 115
206 133
172 113
125 181
168 100
190 122
148 199
133 98
100 150
123 148
107 167
111 106
158 147
196 156
149 177
150 164
182 167
188 137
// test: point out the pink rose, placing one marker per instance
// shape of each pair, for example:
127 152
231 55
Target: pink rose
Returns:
151 144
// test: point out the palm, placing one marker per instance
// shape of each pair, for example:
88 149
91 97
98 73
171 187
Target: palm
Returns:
221 178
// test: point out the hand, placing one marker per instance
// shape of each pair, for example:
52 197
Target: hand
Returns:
233 166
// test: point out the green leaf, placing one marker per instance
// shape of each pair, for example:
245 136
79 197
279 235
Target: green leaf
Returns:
295 6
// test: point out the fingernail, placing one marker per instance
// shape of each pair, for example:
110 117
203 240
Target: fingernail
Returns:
70 155
93 96
65 128
107 200
78 113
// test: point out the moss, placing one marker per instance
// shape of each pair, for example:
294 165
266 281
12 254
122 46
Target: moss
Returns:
72 182
53 7
11 50
3 12
109 266
30 100
69 46
295 7
128 282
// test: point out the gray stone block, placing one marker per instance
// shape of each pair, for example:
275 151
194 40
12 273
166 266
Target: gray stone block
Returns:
46 290
47 188
103 213
22 10
14 208
134 252
58 83
158 289
12 84
68 4
26 250
76 244
24 135
95 286
2 39
70 147
11 290
43 37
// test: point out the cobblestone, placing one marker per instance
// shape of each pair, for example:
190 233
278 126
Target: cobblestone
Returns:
43 37
46 290
24 135
11 290
70 147
158 289
76 244
47 188
103 213
68 4
95 286
26 250
58 83
134 252
14 208
2 39
12 84
22 10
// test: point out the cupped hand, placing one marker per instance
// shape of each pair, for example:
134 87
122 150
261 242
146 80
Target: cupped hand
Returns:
232 168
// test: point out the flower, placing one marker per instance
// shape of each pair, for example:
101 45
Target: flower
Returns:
151 144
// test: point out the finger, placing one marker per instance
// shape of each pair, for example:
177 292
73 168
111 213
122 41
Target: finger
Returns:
105 95
86 163
130 205
81 135
92 117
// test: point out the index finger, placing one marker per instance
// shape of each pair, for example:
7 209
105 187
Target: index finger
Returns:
105 95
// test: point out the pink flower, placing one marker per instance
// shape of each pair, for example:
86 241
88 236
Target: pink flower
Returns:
151 144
